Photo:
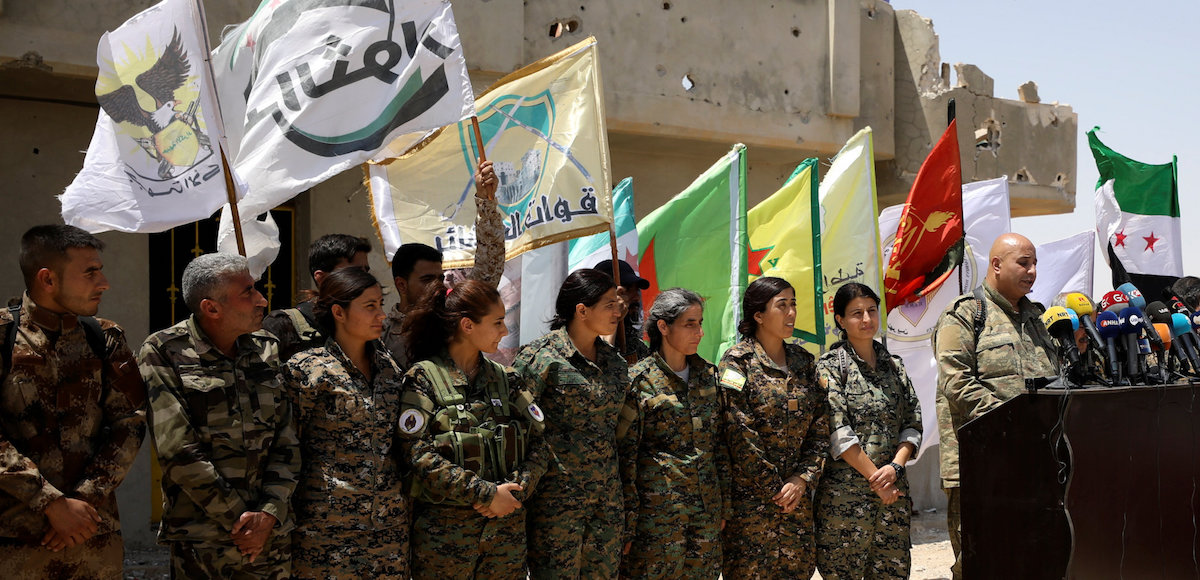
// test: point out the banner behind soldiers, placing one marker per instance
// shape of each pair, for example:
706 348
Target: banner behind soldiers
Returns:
543 127
154 161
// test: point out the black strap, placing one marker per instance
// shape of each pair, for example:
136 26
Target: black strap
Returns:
95 336
10 338
980 313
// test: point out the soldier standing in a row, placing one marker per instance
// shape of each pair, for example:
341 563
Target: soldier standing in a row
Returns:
580 381
351 512
72 414
677 501
777 428
222 426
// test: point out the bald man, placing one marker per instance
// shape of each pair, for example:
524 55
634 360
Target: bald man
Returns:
980 368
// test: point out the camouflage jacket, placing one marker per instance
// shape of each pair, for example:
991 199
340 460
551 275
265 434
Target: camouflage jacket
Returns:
635 347
582 401
776 420
296 328
489 266
876 409
672 434
70 423
975 377
464 481
223 431
350 477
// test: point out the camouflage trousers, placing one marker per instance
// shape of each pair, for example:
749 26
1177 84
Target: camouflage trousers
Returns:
954 527
333 552
858 536
759 541
202 560
674 542
100 557
573 536
456 542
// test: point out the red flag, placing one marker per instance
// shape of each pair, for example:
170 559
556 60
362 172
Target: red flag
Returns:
929 239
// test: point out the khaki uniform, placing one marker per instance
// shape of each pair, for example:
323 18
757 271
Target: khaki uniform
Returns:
296 328
223 431
976 376
352 517
450 539
576 521
680 493
876 409
70 426
776 424
489 266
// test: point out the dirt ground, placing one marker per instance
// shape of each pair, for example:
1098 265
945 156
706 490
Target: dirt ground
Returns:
931 553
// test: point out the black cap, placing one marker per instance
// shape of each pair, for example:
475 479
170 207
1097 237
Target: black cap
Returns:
629 278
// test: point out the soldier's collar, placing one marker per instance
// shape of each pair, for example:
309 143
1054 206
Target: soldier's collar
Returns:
999 300
766 361
47 320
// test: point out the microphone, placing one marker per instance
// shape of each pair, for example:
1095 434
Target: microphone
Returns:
1161 316
1196 320
1109 327
1182 328
1131 327
1058 321
1114 302
1082 306
1137 301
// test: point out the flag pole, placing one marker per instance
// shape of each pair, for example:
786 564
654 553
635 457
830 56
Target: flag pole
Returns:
616 274
231 191
479 146
950 114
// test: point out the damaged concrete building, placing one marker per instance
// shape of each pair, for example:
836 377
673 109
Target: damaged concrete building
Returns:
684 79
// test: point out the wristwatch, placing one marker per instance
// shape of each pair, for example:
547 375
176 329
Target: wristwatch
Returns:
899 469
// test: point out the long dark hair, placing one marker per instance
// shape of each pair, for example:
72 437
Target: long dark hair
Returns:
755 300
847 293
586 287
340 287
431 324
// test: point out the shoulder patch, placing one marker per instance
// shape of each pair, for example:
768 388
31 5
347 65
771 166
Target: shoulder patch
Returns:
733 379
411 421
536 412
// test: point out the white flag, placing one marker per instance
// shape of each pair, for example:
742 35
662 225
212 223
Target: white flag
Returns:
154 160
985 218
1064 266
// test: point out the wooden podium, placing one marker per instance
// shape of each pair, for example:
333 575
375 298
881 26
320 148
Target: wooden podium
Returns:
1088 483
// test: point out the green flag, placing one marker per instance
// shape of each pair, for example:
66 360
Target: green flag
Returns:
698 241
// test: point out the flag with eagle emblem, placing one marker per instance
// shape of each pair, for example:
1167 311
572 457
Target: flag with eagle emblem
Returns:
154 161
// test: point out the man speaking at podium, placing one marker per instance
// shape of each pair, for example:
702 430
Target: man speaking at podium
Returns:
987 343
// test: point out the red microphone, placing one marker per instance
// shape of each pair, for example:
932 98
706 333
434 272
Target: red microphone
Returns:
1114 302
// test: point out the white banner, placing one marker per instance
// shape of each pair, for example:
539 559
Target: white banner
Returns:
1064 266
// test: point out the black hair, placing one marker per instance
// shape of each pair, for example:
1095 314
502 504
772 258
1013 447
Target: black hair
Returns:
330 249
1187 289
46 247
432 323
845 294
408 255
584 286
340 287
755 300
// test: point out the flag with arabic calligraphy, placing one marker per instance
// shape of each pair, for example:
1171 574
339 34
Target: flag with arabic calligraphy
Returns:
310 88
154 161
784 232
543 128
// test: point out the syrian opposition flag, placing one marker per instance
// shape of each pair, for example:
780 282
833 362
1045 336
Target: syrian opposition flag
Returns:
1137 219
588 251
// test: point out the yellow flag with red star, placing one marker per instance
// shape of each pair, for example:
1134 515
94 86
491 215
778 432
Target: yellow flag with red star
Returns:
785 242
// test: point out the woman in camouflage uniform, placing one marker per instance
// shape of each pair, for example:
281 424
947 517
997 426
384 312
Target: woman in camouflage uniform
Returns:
862 513
776 424
351 515
575 522
471 435
675 505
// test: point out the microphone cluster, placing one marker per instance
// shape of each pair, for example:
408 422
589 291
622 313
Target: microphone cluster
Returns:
1126 330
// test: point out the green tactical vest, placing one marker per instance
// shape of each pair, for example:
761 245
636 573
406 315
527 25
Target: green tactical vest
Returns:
490 444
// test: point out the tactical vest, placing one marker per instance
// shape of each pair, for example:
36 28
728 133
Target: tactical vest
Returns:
488 443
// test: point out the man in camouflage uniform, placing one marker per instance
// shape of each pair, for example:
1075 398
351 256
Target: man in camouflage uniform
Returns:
297 328
978 373
679 497
630 292
415 266
222 427
72 415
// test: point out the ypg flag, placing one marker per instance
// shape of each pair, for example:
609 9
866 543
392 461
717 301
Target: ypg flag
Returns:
543 127
1137 219
785 241
929 239
154 161
698 240
310 88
